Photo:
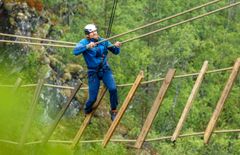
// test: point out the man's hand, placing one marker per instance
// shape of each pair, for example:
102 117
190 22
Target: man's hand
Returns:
91 45
117 44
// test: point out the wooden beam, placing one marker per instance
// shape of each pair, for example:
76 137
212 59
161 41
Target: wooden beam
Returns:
190 101
221 101
31 112
122 109
88 118
61 113
153 112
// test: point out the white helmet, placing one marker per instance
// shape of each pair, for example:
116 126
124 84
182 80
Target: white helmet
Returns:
89 28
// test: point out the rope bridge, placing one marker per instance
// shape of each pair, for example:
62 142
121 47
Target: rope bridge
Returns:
149 120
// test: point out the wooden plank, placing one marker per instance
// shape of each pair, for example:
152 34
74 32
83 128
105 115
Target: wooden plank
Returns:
17 85
221 101
122 109
88 118
60 114
190 101
31 112
153 112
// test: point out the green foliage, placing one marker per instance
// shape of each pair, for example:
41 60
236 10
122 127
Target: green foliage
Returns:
112 149
51 3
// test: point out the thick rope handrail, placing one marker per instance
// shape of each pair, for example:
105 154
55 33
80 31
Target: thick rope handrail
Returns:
194 134
141 27
127 84
39 44
182 22
137 37
191 74
38 39
124 140
161 20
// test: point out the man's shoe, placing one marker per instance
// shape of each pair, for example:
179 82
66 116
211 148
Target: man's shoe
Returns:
87 111
113 114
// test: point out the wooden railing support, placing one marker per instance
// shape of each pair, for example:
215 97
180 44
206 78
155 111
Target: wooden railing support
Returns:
122 109
213 121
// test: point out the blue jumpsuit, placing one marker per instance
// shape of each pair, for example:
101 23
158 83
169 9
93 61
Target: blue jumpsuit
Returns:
98 69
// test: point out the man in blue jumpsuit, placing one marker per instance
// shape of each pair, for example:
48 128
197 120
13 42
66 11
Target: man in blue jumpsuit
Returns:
95 56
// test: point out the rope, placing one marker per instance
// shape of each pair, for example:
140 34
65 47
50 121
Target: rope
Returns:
167 18
39 44
176 77
182 22
128 84
126 140
39 39
193 134
111 18
138 37
162 20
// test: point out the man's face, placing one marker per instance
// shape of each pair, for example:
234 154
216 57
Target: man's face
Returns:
93 35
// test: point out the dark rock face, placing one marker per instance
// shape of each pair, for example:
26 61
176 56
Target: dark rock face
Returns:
3 18
22 19
53 99
25 20
19 19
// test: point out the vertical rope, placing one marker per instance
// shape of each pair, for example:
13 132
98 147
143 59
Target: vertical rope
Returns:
111 18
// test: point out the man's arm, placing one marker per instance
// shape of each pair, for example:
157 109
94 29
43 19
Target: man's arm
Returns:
79 48
82 46
115 49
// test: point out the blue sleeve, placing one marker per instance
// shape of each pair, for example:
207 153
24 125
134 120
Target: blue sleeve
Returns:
80 48
112 48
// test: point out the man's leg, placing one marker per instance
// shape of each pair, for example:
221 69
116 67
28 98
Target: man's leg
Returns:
93 84
109 82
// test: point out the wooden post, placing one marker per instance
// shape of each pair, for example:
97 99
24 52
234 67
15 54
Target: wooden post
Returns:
61 113
122 109
190 101
153 112
88 118
17 85
31 112
219 107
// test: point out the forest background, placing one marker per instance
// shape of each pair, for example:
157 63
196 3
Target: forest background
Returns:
214 38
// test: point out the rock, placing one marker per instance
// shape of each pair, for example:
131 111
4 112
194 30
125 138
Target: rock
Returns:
1 3
44 59
66 92
22 17
24 5
56 65
73 68
43 31
123 130
82 96
20 14
44 71
24 20
12 21
9 5
67 76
